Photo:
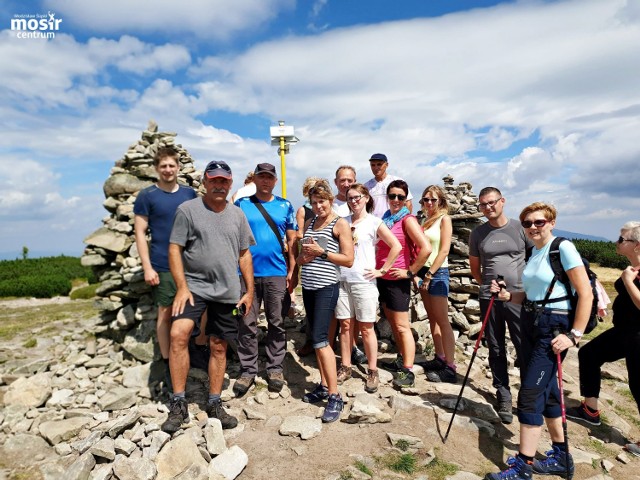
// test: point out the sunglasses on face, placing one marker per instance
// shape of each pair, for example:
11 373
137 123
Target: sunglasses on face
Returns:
394 196
490 204
622 240
537 223
429 200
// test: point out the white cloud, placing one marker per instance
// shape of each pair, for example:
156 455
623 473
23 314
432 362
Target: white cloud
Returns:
217 19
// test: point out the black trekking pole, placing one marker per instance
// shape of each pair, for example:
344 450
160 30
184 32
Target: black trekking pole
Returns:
562 408
473 357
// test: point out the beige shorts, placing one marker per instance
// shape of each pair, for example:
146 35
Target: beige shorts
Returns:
357 300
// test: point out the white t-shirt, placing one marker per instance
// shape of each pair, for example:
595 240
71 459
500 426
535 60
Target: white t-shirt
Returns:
245 191
378 191
365 236
341 207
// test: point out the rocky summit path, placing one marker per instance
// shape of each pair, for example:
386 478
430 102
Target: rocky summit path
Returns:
78 407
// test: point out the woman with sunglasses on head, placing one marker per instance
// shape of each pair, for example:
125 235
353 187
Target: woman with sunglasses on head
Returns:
358 296
326 246
395 285
434 289
620 341
544 314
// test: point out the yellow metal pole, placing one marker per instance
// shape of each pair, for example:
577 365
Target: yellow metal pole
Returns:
283 169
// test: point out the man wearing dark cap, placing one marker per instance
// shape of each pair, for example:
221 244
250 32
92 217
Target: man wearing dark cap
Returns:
378 184
273 224
210 239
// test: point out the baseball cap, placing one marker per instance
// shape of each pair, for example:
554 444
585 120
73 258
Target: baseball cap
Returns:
266 168
217 169
378 157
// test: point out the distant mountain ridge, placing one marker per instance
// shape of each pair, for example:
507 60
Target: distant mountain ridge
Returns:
578 236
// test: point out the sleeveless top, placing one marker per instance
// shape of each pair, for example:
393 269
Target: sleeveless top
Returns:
321 273
382 252
433 235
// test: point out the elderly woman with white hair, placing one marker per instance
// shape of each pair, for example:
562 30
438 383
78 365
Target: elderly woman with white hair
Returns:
621 341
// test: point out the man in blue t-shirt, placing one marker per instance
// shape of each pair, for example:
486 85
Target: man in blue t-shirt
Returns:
154 209
275 277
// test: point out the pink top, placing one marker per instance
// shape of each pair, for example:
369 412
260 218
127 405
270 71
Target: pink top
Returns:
382 251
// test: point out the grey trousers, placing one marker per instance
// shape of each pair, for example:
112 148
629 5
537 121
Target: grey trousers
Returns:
503 314
273 292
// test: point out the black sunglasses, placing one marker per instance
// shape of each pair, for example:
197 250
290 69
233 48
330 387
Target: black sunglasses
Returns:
429 200
537 223
622 240
393 196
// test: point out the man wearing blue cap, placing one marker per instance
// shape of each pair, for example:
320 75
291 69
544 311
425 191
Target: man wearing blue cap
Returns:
273 224
377 186
210 239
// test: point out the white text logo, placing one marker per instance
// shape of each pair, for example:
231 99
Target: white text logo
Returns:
36 25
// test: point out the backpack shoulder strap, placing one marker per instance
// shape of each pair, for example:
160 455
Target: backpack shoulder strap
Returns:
269 221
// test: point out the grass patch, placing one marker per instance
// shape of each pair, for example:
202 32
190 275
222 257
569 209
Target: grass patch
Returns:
402 444
346 475
84 293
27 319
439 469
32 342
628 413
599 448
405 463
363 468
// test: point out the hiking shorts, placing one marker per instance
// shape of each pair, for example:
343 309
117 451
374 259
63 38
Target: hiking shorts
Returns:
221 322
357 300
395 294
165 291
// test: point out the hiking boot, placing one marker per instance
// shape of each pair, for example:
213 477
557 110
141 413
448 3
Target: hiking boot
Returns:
358 357
178 414
217 410
505 411
333 409
318 394
633 448
275 381
372 381
446 375
242 385
395 365
518 470
554 464
582 414
433 365
344 374
306 349
405 379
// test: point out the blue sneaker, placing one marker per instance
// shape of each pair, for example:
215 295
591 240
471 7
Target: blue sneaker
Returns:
554 464
318 394
518 470
333 409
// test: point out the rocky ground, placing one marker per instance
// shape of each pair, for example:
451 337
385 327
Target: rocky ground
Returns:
78 407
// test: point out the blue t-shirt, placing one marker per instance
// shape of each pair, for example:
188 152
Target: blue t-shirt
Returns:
538 274
160 207
268 259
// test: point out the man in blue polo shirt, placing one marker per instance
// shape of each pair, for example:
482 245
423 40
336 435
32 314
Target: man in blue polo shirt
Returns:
275 276
154 209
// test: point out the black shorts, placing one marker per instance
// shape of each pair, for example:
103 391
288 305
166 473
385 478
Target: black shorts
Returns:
395 294
221 322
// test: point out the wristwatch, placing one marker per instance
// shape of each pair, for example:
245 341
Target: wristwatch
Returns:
324 255
383 271
576 333
410 274
429 274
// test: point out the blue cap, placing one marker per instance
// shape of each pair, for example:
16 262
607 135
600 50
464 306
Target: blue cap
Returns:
378 157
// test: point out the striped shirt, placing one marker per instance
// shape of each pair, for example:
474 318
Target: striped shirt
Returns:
321 273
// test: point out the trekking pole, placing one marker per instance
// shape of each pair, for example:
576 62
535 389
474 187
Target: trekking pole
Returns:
562 408
473 357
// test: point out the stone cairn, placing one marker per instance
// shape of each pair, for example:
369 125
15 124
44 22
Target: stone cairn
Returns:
124 299
126 309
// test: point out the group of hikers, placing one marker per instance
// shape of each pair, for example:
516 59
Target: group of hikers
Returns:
213 264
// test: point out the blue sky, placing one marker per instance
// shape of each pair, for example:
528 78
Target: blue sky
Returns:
539 98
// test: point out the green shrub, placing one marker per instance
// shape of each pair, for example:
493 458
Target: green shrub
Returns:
84 293
602 253
41 277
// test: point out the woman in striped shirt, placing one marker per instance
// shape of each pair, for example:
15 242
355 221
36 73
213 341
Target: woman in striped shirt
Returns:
326 246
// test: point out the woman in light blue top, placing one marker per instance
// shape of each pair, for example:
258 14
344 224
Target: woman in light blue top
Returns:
539 395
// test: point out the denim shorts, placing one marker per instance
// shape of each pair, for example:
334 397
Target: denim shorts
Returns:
439 284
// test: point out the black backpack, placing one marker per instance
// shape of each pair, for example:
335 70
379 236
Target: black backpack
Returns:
561 276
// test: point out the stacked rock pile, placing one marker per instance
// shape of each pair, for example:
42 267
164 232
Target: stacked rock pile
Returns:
126 308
